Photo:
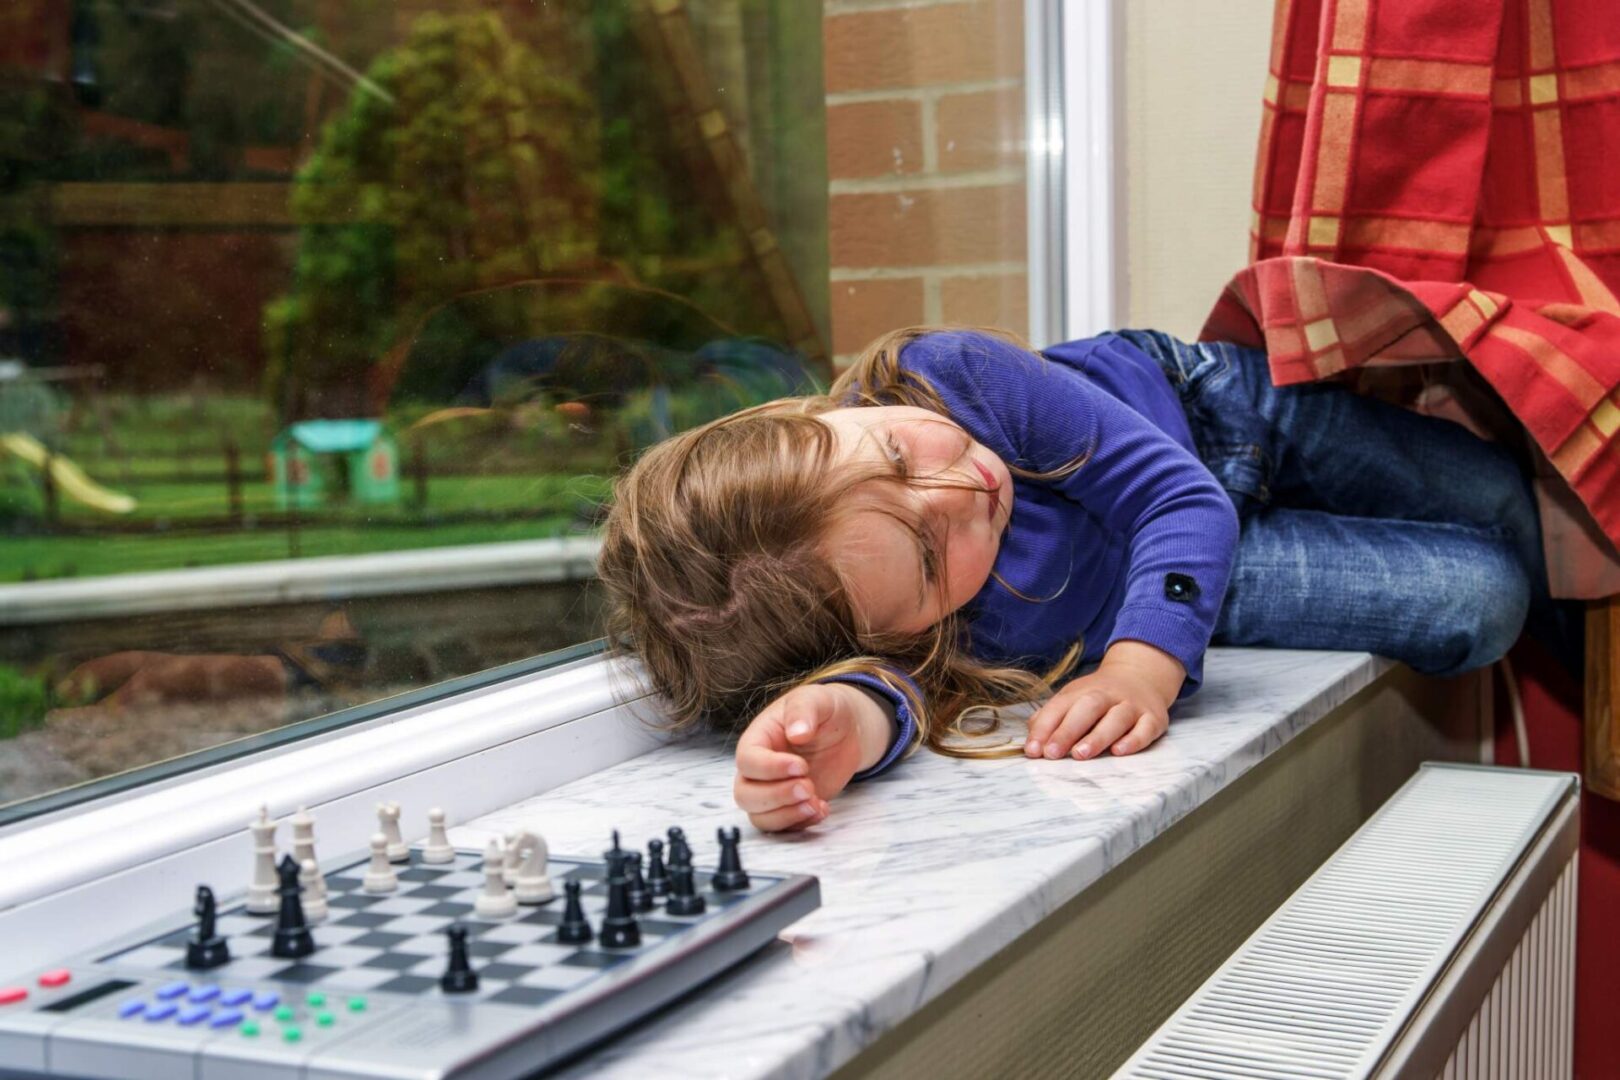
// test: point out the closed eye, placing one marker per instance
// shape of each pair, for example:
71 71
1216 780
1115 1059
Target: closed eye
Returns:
925 544
896 458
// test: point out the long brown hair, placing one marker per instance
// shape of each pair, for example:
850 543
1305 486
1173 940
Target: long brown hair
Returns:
716 576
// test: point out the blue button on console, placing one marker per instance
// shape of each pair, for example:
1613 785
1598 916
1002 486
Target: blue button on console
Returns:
266 1001
172 991
226 1018
206 992
194 1014
161 1012
131 1008
236 996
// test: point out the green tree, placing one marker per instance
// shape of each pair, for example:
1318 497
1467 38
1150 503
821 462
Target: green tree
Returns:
474 165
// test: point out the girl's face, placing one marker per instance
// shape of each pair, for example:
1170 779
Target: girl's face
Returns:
898 583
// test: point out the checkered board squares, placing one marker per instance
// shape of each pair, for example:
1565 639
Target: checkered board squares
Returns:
395 942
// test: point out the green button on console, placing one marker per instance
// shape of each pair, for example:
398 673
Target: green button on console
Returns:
291 1034
324 1019
316 998
357 1004
284 1013
250 1028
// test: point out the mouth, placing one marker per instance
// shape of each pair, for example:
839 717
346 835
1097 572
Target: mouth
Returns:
991 488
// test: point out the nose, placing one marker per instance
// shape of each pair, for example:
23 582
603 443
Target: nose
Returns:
955 491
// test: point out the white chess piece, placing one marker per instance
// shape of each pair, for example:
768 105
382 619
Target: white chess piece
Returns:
262 898
309 876
437 849
513 856
496 901
530 884
303 836
388 821
303 850
380 877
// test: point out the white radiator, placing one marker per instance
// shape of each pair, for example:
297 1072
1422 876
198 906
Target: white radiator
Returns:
1439 941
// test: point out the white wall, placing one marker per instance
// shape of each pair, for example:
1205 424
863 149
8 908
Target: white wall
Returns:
1193 77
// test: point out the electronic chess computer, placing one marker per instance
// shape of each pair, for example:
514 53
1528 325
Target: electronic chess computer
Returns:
422 963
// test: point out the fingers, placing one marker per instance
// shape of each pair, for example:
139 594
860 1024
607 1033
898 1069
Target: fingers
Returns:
757 759
1088 723
1115 722
1079 711
1144 734
781 804
783 819
805 712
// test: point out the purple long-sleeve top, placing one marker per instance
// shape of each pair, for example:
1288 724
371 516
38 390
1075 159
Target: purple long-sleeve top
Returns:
1136 543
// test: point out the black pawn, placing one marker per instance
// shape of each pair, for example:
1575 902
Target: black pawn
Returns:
679 852
640 898
207 948
619 929
731 877
575 930
459 977
292 939
683 897
657 876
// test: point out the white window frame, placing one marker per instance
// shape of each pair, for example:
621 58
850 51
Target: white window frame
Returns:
1076 279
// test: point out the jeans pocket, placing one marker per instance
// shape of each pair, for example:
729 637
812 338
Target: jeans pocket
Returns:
1244 470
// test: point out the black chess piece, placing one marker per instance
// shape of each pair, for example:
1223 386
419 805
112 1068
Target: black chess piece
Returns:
459 977
640 898
683 896
614 852
679 851
207 948
657 876
293 939
730 877
619 928
575 929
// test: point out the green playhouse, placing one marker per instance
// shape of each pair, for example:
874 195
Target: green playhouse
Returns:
361 462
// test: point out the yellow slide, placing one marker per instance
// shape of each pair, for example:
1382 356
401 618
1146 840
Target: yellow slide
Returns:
69 478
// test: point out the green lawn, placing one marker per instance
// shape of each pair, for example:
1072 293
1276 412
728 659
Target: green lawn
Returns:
137 446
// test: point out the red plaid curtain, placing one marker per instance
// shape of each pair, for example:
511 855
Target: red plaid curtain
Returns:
1434 181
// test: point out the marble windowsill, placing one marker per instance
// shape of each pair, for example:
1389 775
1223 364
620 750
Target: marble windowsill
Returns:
925 873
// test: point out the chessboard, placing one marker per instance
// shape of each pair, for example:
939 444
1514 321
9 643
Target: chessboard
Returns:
368 1000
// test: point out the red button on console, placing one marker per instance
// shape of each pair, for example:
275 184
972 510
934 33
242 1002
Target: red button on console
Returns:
59 977
10 995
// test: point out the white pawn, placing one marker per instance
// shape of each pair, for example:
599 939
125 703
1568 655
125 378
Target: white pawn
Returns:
437 849
496 901
530 884
262 898
314 891
388 821
380 877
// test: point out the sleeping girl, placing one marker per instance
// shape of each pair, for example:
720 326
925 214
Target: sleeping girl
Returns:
963 524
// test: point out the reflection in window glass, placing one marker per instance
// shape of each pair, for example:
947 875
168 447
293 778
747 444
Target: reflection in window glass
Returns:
294 279
303 287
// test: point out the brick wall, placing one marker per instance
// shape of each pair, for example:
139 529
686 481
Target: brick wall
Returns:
925 147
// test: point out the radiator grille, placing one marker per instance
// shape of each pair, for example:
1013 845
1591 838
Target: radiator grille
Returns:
1325 984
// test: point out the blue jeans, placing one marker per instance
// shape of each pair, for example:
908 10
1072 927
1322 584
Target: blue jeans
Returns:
1364 526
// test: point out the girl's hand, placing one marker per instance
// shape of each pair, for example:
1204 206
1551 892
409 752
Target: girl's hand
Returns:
1123 705
801 751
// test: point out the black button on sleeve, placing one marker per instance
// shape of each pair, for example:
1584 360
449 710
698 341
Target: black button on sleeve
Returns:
1180 588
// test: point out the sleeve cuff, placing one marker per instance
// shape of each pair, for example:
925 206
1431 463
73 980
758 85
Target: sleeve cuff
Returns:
1183 638
904 728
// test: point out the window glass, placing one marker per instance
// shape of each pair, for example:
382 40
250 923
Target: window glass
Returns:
338 316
